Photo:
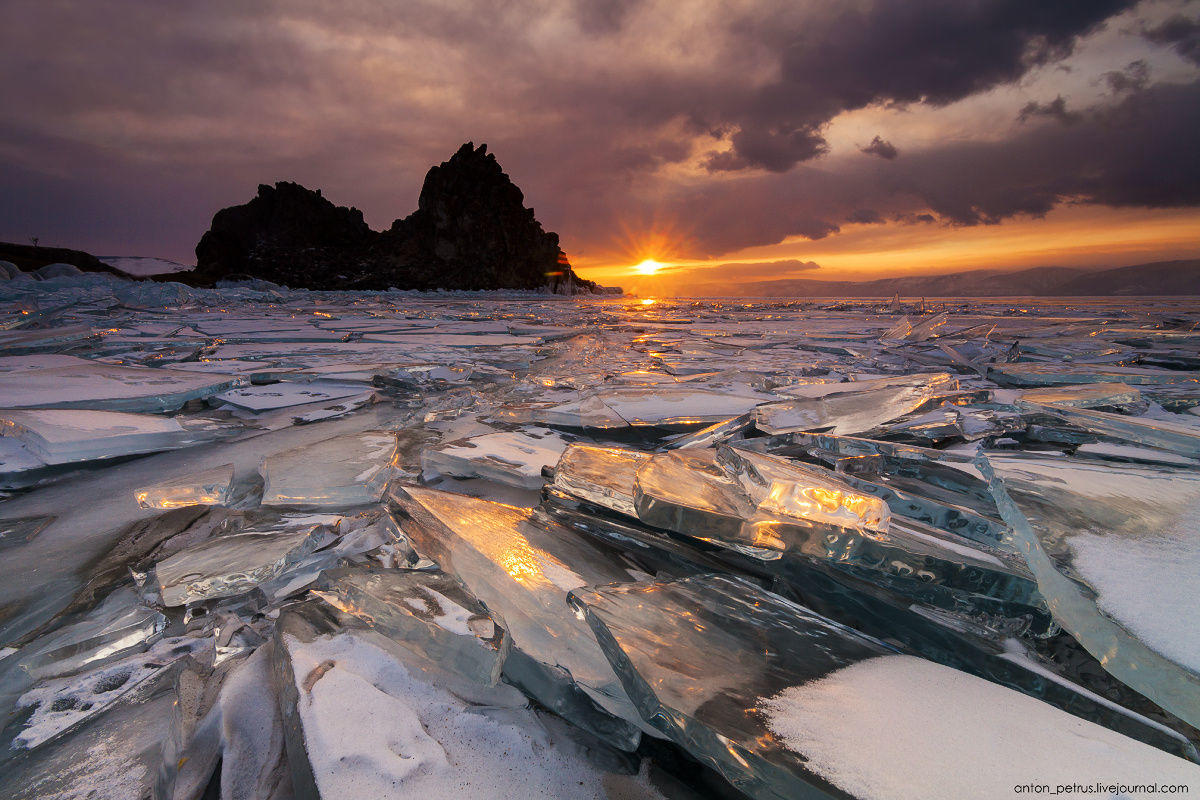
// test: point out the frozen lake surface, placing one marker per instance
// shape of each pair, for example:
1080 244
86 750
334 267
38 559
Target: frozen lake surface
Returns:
266 543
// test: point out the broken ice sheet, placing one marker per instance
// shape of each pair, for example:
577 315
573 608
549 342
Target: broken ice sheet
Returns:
523 572
120 624
56 705
854 410
109 387
1059 373
208 488
236 563
786 703
283 395
21 530
428 613
772 508
1085 395
341 471
666 406
1116 551
115 754
603 476
1175 437
335 410
61 436
513 458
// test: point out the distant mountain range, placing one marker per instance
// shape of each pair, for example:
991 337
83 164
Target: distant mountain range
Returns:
1155 278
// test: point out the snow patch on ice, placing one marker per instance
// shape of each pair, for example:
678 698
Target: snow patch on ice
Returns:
373 729
902 728
1148 585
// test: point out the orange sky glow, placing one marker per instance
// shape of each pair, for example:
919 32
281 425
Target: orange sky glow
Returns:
1072 236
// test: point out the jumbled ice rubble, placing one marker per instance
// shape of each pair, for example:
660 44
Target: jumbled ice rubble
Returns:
258 543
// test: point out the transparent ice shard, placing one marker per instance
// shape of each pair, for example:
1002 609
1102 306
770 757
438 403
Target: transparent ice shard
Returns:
513 458
688 491
1116 550
940 475
523 571
109 387
61 436
666 406
771 508
237 563
21 530
283 395
1058 374
935 427
769 693
335 410
19 467
1175 437
740 496
915 330
341 471
117 627
851 410
211 487
428 613
603 476
1086 395
16 342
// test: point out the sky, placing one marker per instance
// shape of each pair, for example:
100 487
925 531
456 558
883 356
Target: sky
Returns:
725 142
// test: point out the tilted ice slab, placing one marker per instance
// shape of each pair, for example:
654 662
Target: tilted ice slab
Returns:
1085 395
427 613
772 508
109 387
283 395
347 470
236 563
61 436
211 487
1176 437
363 722
604 476
650 406
853 411
523 572
786 703
1116 551
513 458
119 625
1059 373
59 704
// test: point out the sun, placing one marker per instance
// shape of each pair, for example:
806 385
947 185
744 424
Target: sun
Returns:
648 267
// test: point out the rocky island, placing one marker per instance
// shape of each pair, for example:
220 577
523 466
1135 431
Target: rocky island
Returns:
471 230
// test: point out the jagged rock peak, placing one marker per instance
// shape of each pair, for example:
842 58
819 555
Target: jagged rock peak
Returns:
471 230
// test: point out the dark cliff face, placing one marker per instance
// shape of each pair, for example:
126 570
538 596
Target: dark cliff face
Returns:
286 234
471 230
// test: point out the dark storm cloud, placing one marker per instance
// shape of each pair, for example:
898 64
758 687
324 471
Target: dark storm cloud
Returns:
864 216
1137 153
1055 109
1134 77
131 122
1181 33
938 51
882 148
